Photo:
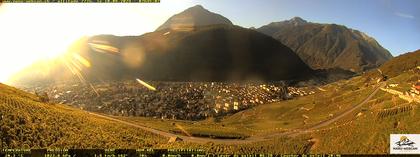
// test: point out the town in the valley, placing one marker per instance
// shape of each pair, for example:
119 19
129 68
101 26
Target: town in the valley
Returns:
169 100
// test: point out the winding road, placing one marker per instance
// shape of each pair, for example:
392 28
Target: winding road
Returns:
250 139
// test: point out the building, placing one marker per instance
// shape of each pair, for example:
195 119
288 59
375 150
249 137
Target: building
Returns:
393 85
416 88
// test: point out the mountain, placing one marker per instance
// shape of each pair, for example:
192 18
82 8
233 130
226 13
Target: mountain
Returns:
324 46
26 122
212 49
192 17
401 63
398 65
206 53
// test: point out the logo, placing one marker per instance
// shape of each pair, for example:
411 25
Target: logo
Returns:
404 143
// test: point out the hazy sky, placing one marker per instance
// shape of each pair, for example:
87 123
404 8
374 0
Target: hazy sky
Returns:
31 32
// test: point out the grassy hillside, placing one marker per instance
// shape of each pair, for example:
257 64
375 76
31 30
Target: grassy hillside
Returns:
401 63
369 132
397 66
280 145
365 130
27 123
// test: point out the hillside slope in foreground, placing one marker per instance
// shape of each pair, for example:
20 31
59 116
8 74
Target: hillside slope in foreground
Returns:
25 122
296 125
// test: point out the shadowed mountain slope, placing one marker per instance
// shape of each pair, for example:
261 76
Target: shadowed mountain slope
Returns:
207 53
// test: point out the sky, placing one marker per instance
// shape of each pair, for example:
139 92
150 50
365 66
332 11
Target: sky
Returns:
31 32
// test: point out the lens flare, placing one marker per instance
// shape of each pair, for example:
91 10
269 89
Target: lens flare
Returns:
81 59
78 67
133 55
104 48
183 130
80 76
74 68
146 85
94 89
69 67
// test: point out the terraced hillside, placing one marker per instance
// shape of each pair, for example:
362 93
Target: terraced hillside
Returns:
369 128
25 122
401 63
293 126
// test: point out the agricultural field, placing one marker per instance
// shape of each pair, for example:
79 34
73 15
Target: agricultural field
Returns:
365 130
28 123
368 131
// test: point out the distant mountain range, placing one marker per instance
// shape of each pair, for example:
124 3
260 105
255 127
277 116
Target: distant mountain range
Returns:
198 45
324 46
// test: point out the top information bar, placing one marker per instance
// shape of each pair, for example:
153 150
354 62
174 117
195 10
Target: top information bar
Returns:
81 1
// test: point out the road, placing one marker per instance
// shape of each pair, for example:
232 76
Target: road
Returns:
250 139
184 138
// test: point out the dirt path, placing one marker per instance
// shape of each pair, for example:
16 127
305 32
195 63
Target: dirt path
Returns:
250 139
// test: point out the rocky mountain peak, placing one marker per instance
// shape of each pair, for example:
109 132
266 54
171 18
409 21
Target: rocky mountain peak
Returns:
297 21
194 16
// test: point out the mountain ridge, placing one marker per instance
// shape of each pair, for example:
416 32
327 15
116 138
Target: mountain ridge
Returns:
324 46
206 53
228 52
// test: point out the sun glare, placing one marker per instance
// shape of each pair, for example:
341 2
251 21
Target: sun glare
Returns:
32 32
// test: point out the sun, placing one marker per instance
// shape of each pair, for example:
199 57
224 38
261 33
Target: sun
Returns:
42 32
32 32
32 37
